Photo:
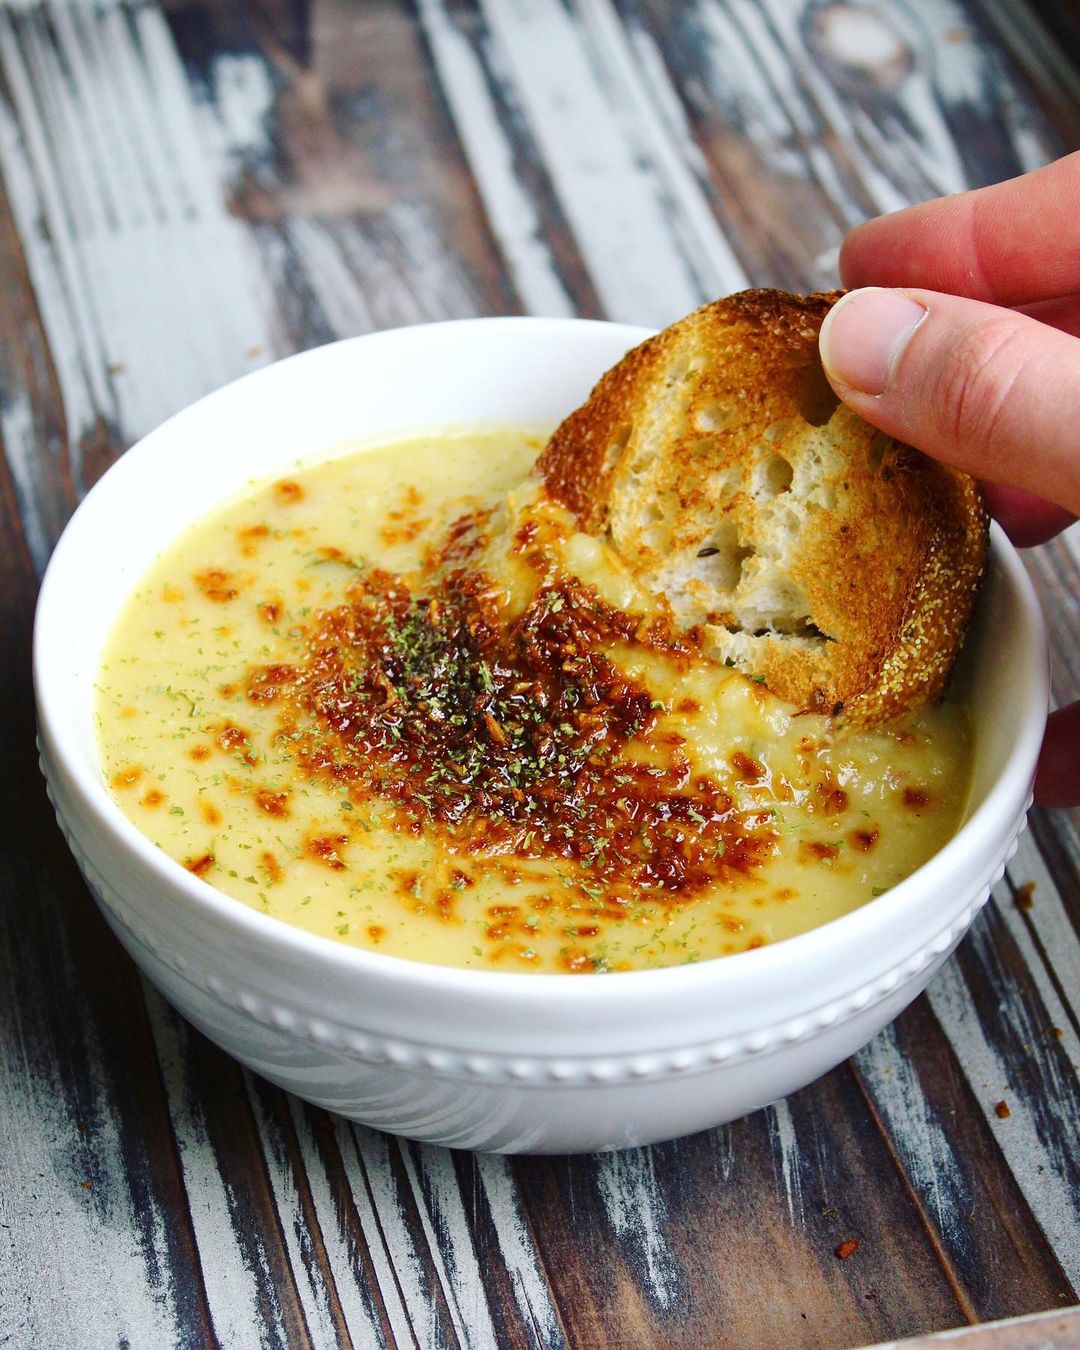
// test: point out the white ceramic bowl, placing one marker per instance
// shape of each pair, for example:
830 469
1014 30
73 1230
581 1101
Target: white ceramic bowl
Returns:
483 1060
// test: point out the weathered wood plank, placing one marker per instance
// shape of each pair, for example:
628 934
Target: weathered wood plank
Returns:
506 1244
812 118
486 133
31 422
1005 1040
354 1270
247 1282
90 1185
332 1315
409 1282
957 1177
756 1265
1043 40
150 292
368 221
649 241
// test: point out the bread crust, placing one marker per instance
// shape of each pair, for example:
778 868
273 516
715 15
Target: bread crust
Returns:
816 553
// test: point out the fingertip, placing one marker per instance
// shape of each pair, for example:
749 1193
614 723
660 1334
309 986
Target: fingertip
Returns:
876 253
1057 778
863 336
1028 520
850 262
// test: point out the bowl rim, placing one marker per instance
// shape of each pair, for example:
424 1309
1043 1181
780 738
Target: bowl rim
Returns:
981 833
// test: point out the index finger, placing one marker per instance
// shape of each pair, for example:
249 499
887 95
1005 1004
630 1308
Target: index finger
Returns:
1015 243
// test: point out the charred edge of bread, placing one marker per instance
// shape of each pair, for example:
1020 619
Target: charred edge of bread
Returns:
815 552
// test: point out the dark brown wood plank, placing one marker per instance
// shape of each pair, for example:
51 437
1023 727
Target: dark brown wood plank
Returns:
740 1246
1042 39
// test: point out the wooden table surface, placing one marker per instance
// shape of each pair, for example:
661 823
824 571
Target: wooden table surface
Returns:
192 189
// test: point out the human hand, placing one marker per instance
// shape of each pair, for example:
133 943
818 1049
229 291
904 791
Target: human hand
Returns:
973 356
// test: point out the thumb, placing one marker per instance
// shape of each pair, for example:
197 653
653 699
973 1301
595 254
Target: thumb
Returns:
987 390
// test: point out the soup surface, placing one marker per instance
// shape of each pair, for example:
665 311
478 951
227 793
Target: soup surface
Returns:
397 700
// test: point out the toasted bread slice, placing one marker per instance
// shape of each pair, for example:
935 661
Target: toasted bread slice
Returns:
820 555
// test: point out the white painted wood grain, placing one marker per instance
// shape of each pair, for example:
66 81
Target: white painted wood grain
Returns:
335 1230
1051 925
403 1285
788 1150
239 1295
361 276
637 1212
629 59
919 1136
867 155
539 1316
1045 61
150 291
489 149
445 1224
57 1236
748 74
297 1235
22 452
408 268
33 192
1043 1173
600 158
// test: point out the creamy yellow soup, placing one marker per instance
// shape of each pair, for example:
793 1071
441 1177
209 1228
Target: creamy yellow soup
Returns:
398 700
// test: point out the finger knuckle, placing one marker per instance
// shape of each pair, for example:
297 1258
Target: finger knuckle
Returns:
973 388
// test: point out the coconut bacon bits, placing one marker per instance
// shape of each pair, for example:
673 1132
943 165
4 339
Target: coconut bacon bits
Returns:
508 739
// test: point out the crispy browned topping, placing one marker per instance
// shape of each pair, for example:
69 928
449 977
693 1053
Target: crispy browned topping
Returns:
235 741
271 867
217 584
327 849
514 739
747 768
249 538
819 850
273 803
